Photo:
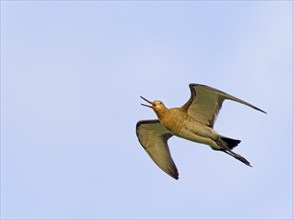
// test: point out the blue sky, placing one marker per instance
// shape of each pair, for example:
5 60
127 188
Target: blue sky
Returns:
71 76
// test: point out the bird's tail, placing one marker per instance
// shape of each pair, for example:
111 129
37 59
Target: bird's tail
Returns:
229 142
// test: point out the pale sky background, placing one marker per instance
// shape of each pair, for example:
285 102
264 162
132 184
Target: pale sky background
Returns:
71 76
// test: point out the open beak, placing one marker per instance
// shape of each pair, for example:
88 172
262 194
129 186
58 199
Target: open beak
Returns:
150 106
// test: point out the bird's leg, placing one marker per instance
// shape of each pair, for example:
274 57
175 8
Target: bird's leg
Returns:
236 156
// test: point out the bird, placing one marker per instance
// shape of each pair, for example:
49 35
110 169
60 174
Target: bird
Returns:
193 121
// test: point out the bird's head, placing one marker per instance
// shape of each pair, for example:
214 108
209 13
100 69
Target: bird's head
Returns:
157 105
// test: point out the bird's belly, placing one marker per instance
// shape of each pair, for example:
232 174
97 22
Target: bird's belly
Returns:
198 132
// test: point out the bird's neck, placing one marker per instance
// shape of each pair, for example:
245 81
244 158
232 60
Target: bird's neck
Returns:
161 113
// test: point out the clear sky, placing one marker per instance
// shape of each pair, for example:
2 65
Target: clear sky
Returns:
71 76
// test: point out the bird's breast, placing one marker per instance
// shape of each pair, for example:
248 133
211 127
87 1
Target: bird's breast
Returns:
173 120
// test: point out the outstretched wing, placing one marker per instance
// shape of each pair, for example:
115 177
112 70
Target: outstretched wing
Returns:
154 137
205 103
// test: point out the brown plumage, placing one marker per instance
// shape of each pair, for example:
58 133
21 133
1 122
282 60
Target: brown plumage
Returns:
193 121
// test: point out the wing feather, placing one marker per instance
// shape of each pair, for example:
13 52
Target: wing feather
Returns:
154 137
205 103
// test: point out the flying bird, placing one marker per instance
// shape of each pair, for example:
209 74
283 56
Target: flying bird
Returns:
193 121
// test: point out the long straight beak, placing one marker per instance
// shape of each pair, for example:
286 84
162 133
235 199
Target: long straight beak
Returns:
150 106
